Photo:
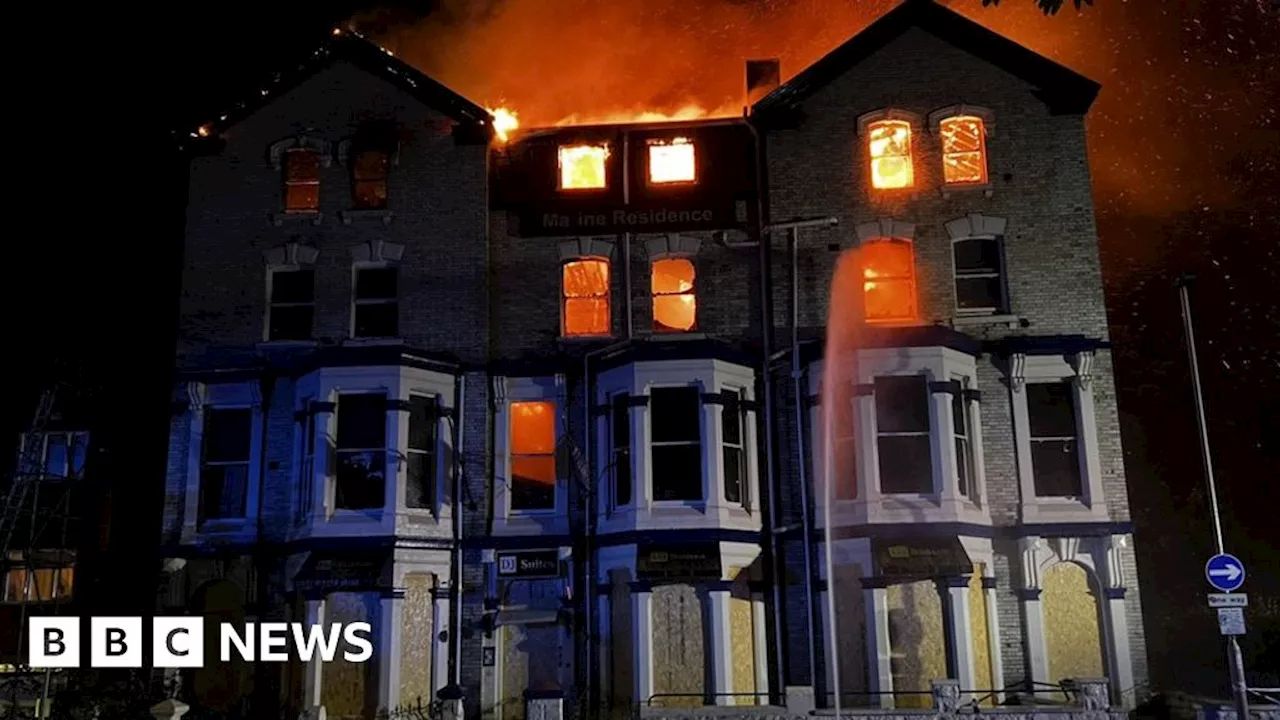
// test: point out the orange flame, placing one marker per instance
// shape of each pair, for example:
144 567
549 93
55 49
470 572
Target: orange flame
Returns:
504 123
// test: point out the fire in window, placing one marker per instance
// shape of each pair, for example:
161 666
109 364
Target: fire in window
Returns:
889 145
369 179
533 456
675 306
585 292
582 167
301 181
964 152
889 283
672 161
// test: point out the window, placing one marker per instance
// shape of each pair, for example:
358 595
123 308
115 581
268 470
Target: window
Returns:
964 152
224 465
582 167
672 161
889 146
292 305
369 169
585 294
307 471
902 434
963 434
979 268
733 447
1055 457
301 180
361 452
377 308
620 444
37 584
889 280
675 307
675 431
57 454
533 455
424 426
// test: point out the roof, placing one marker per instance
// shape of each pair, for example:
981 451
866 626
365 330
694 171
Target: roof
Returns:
1065 91
349 46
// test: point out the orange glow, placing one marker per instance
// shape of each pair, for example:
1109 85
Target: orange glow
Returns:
585 290
681 114
889 145
301 181
504 123
889 283
672 161
964 151
582 167
675 306
533 441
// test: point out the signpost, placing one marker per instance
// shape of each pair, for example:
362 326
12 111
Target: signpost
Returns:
1228 600
1224 572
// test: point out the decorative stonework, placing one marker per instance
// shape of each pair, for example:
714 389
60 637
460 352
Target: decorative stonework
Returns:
936 117
586 247
946 696
664 246
887 114
291 254
1066 548
884 228
275 153
195 395
377 251
976 225
1083 364
1029 549
1017 372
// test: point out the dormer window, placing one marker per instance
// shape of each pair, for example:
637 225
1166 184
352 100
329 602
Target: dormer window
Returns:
369 170
582 167
672 161
301 181
889 151
964 151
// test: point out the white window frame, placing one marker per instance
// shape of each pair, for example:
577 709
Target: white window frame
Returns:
971 428
612 452
508 521
222 396
356 267
944 503
271 305
1092 506
713 511
399 383
744 493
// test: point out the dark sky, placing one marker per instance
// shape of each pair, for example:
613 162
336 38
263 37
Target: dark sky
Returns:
1184 142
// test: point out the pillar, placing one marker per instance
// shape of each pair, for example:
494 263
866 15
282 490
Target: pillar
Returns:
313 676
720 613
390 619
604 644
642 640
955 606
824 686
761 641
1033 627
876 599
1119 658
993 639
440 638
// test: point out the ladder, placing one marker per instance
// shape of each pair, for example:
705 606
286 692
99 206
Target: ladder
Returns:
29 471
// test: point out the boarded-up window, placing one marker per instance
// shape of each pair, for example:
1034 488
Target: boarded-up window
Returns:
964 151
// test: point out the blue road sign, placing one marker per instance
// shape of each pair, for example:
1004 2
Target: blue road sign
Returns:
1225 572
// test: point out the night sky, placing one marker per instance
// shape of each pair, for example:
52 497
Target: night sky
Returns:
1184 143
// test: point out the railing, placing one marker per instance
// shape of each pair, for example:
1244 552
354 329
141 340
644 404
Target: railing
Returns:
705 696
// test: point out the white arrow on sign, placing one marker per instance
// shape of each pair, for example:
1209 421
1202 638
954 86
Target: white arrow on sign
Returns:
1230 572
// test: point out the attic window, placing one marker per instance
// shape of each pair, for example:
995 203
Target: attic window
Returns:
301 181
582 167
672 161
889 148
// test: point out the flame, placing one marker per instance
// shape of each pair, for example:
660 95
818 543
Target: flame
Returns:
683 113
672 161
504 122
582 167
890 150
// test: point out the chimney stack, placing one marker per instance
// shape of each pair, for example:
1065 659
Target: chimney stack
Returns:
763 76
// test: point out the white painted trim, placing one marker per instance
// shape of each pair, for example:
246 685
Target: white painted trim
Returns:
225 396
507 521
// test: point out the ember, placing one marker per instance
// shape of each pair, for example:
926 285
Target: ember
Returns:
890 149
672 161
582 167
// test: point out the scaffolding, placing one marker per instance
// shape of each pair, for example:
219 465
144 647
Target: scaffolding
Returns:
37 552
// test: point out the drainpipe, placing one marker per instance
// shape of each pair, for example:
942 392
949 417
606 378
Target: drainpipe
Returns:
266 390
459 464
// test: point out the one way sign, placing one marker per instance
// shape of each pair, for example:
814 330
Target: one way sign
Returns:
1224 572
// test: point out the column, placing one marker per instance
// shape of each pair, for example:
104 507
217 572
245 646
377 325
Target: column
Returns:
759 624
955 605
1033 626
642 640
993 638
390 618
946 480
440 638
824 686
1119 659
876 599
314 672
567 635
604 645
712 462
720 612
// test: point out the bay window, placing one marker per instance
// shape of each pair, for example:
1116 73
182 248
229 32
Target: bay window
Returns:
420 453
675 431
361 452
733 447
902 434
620 447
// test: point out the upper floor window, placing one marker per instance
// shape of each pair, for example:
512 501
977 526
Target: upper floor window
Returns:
56 454
675 306
733 447
964 151
291 307
1055 455
582 167
889 152
962 431
620 447
420 490
369 170
36 584
889 280
584 289
301 180
979 275
902 434
361 452
533 455
675 431
376 312
224 463
672 161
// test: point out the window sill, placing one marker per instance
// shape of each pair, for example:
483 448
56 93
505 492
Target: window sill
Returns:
1010 321
583 339
269 344
661 335
279 219
987 189
350 216
224 526
365 341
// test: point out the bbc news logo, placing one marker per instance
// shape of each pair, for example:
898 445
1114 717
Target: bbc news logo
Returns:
179 642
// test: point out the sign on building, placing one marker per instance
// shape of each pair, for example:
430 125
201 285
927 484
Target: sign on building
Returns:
684 562
527 564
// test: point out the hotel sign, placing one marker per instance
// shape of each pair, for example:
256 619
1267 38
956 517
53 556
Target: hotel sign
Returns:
529 564
563 221
683 562
922 557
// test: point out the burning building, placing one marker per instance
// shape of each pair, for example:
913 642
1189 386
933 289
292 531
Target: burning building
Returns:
542 404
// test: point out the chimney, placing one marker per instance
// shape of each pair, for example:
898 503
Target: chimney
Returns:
763 76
